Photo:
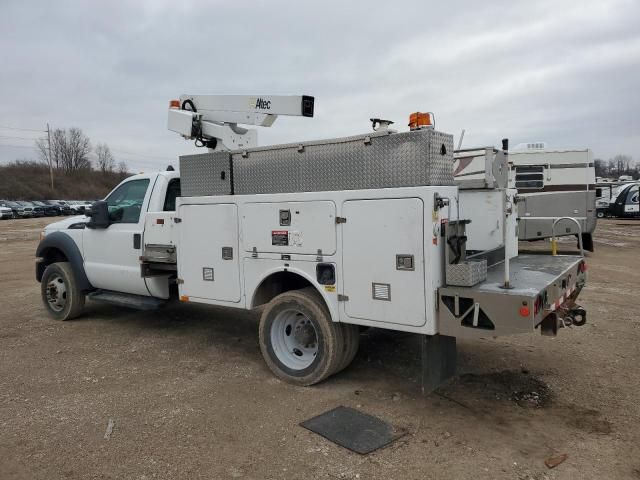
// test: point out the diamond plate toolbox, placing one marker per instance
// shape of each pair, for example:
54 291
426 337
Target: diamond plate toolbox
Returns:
467 274
205 174
378 160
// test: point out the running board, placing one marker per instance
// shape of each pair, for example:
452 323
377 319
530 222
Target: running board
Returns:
137 302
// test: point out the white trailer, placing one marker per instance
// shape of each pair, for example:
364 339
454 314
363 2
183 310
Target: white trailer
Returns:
552 183
328 236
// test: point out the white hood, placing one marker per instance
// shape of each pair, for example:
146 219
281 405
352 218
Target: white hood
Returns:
64 224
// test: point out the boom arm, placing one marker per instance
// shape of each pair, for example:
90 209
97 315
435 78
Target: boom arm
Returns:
212 120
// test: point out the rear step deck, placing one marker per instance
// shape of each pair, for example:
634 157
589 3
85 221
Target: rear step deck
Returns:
137 302
487 309
529 274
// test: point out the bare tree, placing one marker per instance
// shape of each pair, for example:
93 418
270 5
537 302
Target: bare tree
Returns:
601 167
79 148
622 163
69 149
122 168
58 140
106 162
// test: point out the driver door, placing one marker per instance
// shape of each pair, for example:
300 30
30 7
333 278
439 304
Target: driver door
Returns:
111 255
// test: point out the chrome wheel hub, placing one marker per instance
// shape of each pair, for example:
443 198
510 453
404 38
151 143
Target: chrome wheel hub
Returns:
56 293
294 339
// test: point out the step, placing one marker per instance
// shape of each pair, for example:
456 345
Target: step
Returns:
137 302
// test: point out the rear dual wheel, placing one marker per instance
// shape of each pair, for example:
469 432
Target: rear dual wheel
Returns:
299 341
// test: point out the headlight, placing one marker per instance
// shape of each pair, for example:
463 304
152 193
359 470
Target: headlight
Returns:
42 235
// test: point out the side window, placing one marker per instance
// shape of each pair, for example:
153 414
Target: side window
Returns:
173 192
529 177
125 203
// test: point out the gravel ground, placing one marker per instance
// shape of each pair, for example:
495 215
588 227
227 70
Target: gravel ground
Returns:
186 394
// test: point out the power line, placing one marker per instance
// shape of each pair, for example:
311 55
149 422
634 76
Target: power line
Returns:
115 150
23 129
16 146
20 138
155 157
92 153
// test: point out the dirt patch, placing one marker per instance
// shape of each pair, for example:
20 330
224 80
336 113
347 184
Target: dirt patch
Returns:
588 420
518 386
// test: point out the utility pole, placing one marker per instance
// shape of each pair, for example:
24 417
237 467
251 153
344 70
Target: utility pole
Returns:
50 159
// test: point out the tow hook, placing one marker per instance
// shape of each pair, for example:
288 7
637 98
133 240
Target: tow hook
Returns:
577 316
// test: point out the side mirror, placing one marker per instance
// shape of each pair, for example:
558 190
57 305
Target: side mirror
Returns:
99 215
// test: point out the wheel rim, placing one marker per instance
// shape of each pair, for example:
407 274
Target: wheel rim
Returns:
56 293
294 339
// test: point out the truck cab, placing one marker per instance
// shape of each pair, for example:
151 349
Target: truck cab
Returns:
107 257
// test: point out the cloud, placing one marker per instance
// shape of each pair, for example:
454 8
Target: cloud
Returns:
564 72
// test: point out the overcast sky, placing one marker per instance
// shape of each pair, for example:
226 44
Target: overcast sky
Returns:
564 72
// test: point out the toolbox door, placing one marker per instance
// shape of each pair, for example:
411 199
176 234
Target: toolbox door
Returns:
383 260
208 252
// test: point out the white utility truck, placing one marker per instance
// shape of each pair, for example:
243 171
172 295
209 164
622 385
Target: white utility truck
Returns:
329 236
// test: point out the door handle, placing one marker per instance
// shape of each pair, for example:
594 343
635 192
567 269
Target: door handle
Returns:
405 262
137 238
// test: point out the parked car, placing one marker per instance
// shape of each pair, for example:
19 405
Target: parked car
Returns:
16 208
28 208
64 206
87 206
5 212
39 211
74 206
60 208
77 206
48 209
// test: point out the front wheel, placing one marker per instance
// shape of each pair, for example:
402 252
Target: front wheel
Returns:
60 294
299 341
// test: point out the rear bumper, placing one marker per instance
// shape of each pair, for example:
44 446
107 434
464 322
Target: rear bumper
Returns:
541 285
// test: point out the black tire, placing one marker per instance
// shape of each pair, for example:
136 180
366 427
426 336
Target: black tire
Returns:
351 334
587 242
60 294
308 306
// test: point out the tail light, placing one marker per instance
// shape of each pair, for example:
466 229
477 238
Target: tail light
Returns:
582 267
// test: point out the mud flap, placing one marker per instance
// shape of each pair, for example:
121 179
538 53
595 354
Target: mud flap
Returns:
438 361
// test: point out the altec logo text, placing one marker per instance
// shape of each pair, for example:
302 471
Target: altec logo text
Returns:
263 104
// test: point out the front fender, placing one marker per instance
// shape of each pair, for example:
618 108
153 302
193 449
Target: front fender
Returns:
49 251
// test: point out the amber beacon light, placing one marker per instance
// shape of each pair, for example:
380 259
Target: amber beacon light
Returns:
421 120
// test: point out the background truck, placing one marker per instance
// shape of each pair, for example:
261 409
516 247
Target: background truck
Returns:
329 236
